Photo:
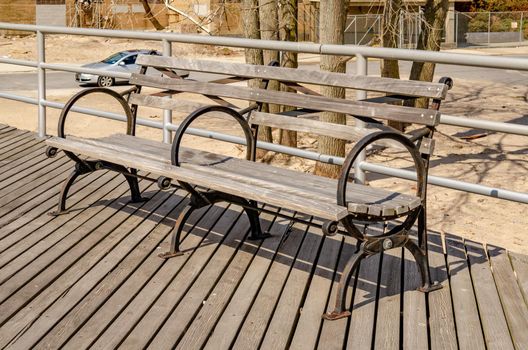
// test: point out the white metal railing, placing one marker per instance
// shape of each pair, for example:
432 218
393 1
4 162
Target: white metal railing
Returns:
362 53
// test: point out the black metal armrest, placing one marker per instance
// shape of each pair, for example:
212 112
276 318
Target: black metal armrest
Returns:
131 120
370 139
250 140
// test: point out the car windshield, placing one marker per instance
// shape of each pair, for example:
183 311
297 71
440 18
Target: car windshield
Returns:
114 58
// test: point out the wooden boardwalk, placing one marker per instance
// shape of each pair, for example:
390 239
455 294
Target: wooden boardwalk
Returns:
92 278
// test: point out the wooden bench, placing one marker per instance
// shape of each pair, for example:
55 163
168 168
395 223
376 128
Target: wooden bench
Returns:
345 206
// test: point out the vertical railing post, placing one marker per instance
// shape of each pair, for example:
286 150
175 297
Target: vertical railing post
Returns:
167 114
41 88
361 69
521 36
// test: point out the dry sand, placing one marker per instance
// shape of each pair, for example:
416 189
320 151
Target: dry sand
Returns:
491 159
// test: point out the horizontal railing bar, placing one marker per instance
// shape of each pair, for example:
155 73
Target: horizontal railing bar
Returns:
343 50
18 62
508 128
375 168
78 69
449 183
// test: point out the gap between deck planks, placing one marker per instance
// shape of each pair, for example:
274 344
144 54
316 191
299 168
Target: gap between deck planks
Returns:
92 277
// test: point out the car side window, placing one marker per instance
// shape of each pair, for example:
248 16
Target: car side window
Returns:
130 60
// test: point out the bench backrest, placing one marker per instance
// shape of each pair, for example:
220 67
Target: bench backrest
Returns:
219 90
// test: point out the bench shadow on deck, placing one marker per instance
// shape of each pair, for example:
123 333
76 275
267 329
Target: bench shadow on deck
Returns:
92 278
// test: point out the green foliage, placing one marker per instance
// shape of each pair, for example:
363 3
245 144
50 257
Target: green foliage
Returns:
499 5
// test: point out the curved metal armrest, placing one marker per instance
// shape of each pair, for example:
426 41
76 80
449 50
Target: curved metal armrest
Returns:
131 121
363 144
250 140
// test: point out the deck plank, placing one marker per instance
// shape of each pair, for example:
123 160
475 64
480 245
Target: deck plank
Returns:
307 330
467 318
124 301
492 317
441 320
288 309
92 278
414 308
511 297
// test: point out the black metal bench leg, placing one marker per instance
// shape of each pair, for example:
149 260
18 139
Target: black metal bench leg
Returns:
135 193
254 222
176 233
423 266
340 301
61 207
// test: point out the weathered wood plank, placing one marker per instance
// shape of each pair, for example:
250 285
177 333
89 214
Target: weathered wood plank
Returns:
441 319
387 85
138 325
94 252
332 334
200 178
32 240
494 326
520 266
281 327
134 234
176 319
126 306
255 324
308 326
224 333
275 178
320 103
389 300
204 322
515 309
414 309
468 325
137 265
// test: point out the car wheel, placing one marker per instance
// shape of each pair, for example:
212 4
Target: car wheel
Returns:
105 81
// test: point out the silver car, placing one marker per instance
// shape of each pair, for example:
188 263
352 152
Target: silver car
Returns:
123 62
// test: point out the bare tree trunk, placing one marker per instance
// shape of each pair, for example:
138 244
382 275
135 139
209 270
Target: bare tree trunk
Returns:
332 24
389 38
435 12
288 32
150 16
269 30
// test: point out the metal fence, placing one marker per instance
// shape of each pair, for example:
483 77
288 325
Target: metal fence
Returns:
361 53
488 28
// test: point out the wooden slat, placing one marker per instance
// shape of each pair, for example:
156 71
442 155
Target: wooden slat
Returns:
333 333
389 300
343 132
492 317
386 85
255 324
315 303
167 319
225 331
361 330
320 103
126 306
469 330
196 177
362 199
414 308
288 309
441 319
515 309
520 266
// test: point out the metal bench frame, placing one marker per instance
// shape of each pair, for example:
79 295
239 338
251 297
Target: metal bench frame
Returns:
398 236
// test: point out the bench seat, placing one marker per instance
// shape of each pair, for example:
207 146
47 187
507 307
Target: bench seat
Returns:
307 193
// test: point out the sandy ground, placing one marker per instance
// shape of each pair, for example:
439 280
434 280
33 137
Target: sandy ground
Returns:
491 159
